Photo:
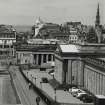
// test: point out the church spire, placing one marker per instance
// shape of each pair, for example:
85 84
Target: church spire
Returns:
97 22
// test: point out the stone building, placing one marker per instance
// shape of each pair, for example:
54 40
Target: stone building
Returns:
81 65
7 50
73 37
36 54
45 30
7 39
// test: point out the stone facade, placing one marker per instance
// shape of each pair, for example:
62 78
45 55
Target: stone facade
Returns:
35 54
7 40
85 70
59 70
94 80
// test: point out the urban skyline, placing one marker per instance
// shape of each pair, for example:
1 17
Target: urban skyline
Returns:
25 12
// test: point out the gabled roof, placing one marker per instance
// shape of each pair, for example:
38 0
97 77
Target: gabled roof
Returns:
6 29
37 48
81 48
69 48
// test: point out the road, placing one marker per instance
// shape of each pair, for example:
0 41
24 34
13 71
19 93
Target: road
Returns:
1 90
61 95
7 95
30 94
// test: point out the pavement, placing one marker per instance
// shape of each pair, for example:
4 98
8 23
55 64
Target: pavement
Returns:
60 96
7 94
27 96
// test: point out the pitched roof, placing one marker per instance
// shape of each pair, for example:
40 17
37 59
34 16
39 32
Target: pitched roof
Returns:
6 29
69 48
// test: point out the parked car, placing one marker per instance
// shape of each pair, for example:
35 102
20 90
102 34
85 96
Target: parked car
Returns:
75 94
87 98
81 94
73 89
44 80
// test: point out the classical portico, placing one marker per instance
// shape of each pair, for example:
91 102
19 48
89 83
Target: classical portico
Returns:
81 65
40 58
36 54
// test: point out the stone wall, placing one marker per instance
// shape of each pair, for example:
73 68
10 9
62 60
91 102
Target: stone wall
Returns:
75 72
26 58
59 70
94 80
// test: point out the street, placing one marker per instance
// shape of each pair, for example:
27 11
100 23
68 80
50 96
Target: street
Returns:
48 89
29 94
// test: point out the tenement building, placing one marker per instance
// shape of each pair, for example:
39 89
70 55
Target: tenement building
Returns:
81 65
46 30
7 38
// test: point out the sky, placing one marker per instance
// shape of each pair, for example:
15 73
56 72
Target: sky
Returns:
25 12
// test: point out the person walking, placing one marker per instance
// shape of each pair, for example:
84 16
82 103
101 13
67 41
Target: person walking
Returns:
29 85
37 100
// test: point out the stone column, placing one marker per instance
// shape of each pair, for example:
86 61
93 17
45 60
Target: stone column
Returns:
65 69
10 51
95 82
52 57
82 74
20 58
69 72
46 57
101 84
37 58
13 51
42 59
34 58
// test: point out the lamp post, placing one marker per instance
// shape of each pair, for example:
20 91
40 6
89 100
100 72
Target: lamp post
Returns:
35 80
53 71
27 74
31 77
41 85
53 76
55 93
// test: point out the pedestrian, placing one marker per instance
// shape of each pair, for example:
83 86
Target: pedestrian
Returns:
29 85
37 100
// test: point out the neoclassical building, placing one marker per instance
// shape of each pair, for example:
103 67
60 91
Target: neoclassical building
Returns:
7 39
36 54
7 50
81 65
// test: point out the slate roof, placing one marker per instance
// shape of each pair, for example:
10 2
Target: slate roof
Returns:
69 48
6 29
36 48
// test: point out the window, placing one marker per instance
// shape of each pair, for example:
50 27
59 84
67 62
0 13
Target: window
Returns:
44 58
6 46
25 60
49 57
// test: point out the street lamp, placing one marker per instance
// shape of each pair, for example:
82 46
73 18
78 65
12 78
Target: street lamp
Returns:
53 76
27 74
41 84
31 77
55 93
35 80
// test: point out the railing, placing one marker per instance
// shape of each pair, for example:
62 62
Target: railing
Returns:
20 98
96 62
5 57
77 104
46 98
42 94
